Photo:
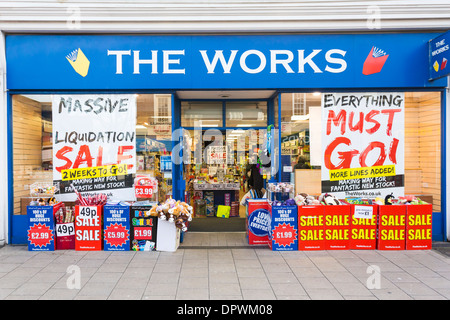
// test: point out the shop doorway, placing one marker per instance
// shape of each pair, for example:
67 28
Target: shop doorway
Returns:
224 137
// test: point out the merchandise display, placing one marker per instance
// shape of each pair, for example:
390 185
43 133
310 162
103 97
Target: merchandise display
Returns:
282 221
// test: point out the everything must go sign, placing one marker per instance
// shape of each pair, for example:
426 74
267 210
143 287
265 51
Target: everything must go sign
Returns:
363 144
94 144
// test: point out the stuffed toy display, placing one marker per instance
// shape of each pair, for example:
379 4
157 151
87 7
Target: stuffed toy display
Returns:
303 199
329 199
175 212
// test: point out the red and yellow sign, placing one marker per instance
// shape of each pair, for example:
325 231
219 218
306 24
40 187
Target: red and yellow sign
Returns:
391 227
418 227
337 227
88 228
311 228
363 224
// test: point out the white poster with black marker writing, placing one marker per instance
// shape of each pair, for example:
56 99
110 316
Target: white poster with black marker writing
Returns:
363 136
94 145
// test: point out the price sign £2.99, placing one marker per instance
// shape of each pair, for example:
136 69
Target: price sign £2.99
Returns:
88 228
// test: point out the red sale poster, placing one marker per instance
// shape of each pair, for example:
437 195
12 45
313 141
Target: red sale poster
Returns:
391 227
337 227
88 228
363 226
418 227
311 227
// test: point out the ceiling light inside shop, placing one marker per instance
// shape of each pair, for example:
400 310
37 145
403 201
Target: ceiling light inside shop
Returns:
316 93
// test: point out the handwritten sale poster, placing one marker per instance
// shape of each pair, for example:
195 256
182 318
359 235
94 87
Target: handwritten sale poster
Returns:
94 144
363 144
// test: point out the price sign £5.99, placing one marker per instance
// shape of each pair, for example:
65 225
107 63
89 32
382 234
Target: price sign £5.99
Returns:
116 228
88 228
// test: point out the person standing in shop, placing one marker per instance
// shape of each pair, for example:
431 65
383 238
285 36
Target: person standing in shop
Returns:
255 184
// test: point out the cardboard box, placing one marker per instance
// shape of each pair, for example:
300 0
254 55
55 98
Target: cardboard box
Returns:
363 225
337 227
168 237
311 227
258 221
143 230
418 226
116 228
88 228
41 233
391 227
283 235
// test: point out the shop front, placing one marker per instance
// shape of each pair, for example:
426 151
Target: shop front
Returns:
144 119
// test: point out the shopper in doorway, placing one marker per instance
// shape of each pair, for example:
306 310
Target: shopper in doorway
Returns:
255 184
302 164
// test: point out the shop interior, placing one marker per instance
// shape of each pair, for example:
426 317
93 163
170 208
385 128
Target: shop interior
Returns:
218 177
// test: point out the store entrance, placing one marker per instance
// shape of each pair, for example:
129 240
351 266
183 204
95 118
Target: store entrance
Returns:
224 139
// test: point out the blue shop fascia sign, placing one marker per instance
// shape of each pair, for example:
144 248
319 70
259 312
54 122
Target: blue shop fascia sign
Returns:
141 62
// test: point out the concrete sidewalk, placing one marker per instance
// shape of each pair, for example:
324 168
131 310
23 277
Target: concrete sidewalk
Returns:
239 273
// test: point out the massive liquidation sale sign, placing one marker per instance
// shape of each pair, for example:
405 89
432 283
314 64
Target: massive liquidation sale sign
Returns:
94 144
363 144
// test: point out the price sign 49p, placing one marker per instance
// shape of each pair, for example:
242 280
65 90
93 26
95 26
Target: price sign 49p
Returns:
88 228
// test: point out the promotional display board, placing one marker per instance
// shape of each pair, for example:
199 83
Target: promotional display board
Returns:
94 145
363 144
116 228
283 235
391 227
363 224
337 227
64 227
88 228
418 227
143 229
258 221
311 227
41 234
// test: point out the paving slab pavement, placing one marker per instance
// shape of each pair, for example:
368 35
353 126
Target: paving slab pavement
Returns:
230 272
